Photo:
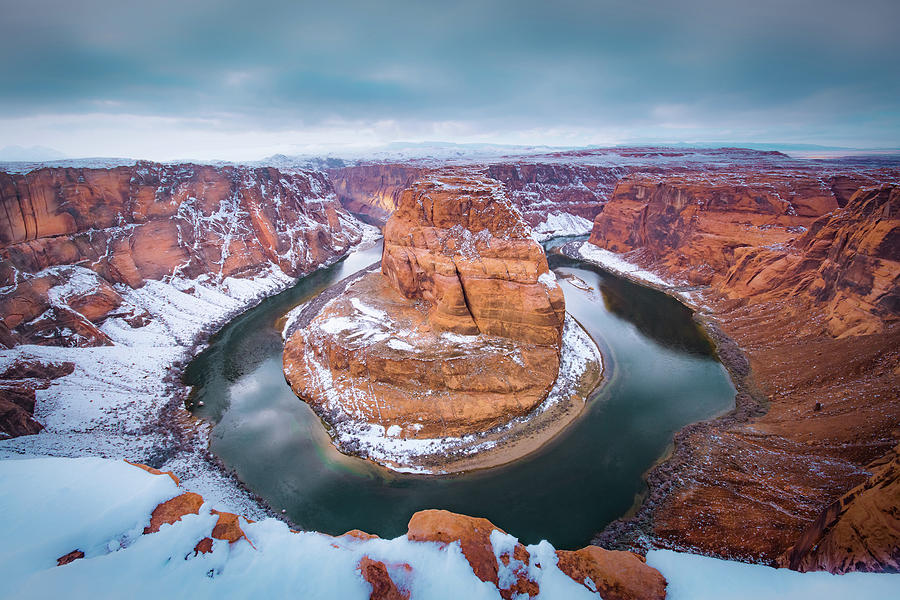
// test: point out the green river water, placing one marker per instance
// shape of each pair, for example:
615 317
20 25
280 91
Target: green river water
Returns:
660 375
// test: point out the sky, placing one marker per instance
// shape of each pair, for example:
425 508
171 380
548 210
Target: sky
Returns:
236 80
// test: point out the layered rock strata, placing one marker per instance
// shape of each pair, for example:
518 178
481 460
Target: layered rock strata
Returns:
811 300
373 191
458 335
560 193
73 239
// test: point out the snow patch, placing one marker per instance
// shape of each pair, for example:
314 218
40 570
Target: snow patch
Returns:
701 577
617 264
562 224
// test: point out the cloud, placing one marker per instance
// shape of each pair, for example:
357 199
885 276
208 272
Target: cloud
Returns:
823 69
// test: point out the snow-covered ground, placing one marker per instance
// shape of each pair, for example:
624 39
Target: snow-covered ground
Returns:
101 506
560 224
111 405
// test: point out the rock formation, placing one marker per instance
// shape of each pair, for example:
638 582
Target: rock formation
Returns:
460 245
72 239
494 556
579 183
848 262
804 276
373 191
458 334
18 384
615 575
860 531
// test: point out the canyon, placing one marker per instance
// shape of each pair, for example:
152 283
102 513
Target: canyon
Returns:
807 286
77 242
792 267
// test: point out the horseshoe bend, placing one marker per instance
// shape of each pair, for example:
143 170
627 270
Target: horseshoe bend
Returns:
456 354
459 335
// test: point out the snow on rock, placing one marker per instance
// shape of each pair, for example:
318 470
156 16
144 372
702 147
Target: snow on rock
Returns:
579 352
101 507
561 224
615 263
61 504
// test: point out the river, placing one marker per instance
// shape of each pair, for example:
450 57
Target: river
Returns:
660 375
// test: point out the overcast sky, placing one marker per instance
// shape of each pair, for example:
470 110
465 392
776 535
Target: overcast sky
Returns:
225 79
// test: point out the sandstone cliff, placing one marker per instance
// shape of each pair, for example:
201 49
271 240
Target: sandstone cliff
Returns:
460 332
542 188
848 262
808 290
72 239
373 191
860 531
460 244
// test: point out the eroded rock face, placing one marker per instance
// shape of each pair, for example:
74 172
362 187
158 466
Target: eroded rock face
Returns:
848 262
373 191
18 384
811 301
459 244
860 531
68 235
693 224
459 333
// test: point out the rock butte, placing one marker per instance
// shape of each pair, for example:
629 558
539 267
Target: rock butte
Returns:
460 332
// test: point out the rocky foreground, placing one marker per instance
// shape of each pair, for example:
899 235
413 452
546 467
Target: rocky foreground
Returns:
164 541
458 335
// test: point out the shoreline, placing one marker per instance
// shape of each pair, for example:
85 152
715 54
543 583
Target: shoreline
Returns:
127 401
634 530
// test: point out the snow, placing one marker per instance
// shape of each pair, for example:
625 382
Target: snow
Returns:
111 405
548 280
61 504
700 577
100 506
617 264
400 345
290 318
560 224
